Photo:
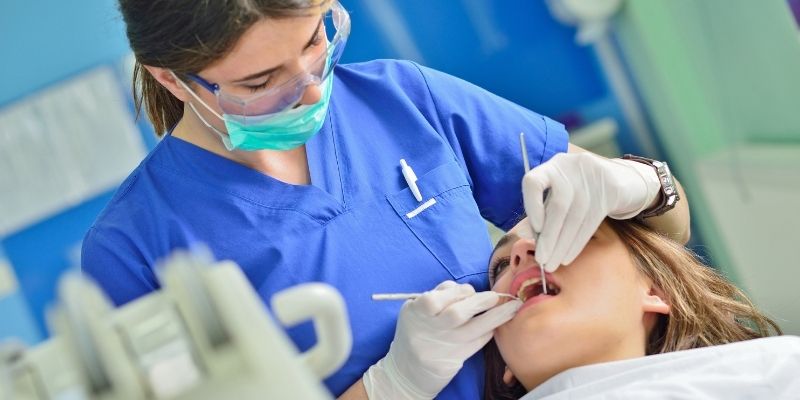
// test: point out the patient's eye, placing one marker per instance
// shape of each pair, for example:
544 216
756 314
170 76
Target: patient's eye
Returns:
497 268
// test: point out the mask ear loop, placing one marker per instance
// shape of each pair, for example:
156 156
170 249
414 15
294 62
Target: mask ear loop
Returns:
226 140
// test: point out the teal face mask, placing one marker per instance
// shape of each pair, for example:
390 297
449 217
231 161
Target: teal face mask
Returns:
283 130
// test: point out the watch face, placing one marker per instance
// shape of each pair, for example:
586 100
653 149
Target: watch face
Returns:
671 200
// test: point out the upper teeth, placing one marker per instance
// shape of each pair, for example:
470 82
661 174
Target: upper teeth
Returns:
530 282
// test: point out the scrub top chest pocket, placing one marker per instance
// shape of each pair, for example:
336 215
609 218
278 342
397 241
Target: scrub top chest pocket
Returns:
446 221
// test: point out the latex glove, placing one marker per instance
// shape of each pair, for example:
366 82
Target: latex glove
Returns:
435 334
584 189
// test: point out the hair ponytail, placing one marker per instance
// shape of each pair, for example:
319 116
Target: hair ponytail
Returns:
163 109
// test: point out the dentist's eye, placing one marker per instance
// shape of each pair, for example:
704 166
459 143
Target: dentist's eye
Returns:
317 39
257 87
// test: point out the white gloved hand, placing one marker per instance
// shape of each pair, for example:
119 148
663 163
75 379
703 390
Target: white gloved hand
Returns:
435 334
584 189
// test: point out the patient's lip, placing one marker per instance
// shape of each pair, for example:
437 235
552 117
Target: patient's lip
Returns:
530 273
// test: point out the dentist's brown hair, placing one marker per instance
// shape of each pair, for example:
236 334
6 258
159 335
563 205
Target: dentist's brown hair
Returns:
705 308
186 36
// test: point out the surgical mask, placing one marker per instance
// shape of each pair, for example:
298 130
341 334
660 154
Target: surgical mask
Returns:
267 119
283 130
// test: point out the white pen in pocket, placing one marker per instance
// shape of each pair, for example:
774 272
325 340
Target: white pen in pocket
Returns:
527 166
411 179
412 296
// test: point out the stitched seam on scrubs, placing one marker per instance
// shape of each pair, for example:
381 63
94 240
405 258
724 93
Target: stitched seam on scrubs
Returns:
202 188
473 274
516 216
337 156
445 194
520 210
124 191
439 114
407 222
118 196
546 139
451 192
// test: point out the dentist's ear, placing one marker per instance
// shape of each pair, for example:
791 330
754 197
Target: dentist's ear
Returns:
168 80
654 301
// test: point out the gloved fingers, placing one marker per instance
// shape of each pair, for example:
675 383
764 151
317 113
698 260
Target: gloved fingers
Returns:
487 322
462 311
569 231
468 348
534 184
632 187
588 227
435 301
557 207
445 285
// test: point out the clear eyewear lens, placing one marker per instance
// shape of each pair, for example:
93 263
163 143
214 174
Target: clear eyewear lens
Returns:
287 94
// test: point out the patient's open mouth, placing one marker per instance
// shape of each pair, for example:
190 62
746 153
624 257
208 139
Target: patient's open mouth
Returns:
528 286
533 287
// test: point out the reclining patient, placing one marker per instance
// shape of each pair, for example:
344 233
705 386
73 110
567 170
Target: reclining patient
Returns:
634 316
631 293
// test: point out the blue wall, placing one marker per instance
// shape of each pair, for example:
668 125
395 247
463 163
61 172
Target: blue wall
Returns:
17 320
43 42
511 47
46 41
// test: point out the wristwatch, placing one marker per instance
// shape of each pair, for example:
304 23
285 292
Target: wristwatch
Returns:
669 191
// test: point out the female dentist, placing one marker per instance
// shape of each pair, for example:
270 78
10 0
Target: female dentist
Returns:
281 160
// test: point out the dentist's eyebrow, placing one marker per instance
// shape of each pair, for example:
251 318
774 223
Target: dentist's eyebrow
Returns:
273 69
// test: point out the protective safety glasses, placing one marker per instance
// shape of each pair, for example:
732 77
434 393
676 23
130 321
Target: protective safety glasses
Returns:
272 98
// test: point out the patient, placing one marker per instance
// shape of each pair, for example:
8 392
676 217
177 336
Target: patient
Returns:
629 294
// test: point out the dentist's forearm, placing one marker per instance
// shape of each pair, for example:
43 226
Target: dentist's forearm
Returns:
355 392
674 223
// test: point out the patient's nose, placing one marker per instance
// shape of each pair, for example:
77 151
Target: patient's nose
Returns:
523 254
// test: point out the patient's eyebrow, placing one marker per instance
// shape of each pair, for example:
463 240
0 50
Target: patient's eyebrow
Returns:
508 237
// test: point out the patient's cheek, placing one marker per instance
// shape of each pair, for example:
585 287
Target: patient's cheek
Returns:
502 285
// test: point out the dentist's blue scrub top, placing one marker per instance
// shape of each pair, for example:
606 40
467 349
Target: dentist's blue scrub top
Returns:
350 227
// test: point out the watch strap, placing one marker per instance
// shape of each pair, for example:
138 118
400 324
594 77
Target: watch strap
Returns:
669 195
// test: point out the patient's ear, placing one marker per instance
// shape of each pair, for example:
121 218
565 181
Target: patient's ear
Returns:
508 377
654 300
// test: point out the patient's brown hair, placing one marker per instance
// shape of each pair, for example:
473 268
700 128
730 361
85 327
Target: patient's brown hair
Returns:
705 308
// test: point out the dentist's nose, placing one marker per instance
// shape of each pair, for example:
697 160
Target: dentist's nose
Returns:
311 94
523 254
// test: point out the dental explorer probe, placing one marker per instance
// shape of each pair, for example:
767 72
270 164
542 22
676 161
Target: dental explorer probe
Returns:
527 165
411 296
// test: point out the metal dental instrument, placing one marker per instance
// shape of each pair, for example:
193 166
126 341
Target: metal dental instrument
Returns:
411 296
526 163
